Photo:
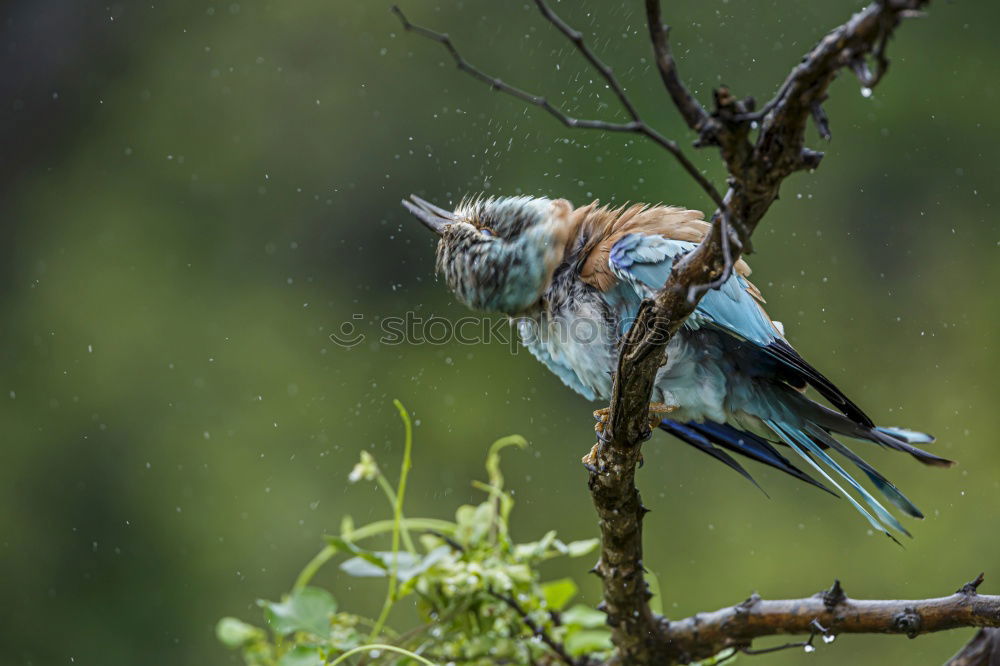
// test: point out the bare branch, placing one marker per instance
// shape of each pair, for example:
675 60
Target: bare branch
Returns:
737 626
820 118
635 126
982 650
693 113
756 171
576 37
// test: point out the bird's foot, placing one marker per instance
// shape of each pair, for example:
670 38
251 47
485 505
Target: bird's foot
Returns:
656 412
654 417
590 460
601 415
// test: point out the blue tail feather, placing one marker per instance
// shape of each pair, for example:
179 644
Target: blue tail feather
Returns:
698 441
884 485
908 436
804 446
703 435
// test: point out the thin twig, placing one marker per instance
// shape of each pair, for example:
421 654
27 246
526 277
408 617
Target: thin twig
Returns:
536 630
694 114
635 126
807 644
576 37
695 291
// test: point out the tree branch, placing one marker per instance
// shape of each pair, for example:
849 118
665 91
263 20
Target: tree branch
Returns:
706 634
760 148
982 650
693 113
757 170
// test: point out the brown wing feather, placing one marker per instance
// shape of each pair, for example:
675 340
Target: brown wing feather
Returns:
603 227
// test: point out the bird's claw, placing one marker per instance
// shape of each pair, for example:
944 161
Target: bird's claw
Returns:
601 434
590 461
656 412
601 415
600 428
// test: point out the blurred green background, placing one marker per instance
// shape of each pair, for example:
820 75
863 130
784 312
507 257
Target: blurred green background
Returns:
195 195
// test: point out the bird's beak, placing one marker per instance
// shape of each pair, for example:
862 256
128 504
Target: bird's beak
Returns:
434 218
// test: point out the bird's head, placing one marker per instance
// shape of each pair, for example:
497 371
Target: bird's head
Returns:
498 254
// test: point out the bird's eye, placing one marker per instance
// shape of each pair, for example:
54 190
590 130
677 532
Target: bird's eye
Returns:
486 231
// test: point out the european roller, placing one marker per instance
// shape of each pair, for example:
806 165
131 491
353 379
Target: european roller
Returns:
572 280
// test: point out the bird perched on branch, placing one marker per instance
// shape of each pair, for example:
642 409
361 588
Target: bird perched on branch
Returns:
572 280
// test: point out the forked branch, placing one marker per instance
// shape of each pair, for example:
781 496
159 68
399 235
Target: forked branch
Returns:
760 148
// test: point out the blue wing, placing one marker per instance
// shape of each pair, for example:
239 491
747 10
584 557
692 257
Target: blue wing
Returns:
757 349
643 264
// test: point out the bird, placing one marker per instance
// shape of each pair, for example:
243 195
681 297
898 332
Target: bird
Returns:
572 279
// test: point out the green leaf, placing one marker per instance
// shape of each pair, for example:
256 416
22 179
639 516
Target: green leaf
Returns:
360 567
581 548
536 548
346 546
584 617
430 559
377 564
258 653
408 577
465 517
483 521
588 641
234 633
302 655
557 593
308 610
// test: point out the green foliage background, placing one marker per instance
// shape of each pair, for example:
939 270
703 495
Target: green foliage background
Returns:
196 194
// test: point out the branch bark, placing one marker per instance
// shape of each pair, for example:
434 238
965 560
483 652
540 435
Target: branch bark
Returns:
982 650
706 634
